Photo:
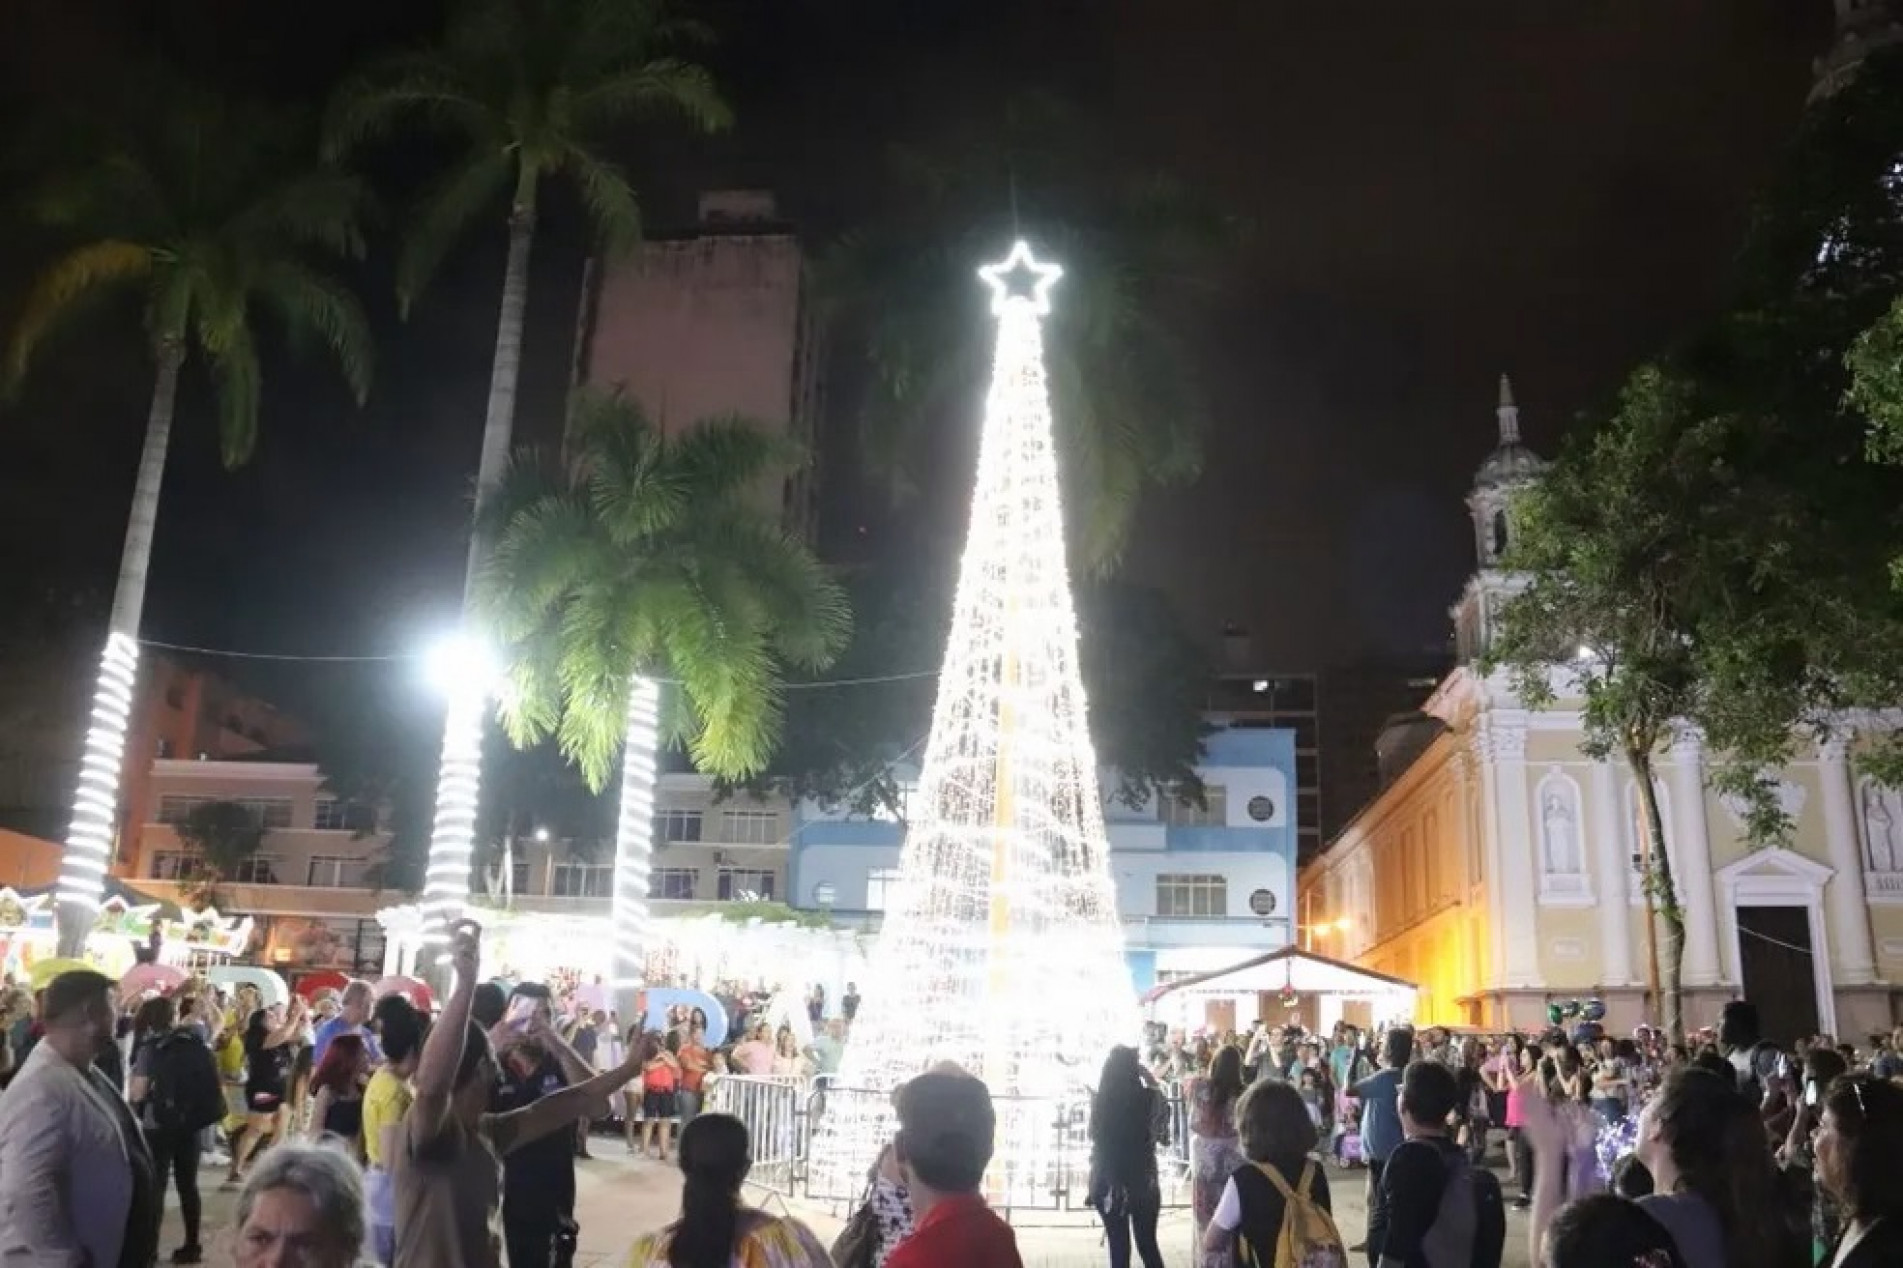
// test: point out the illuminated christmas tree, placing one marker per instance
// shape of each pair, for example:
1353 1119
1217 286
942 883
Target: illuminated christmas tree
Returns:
1001 949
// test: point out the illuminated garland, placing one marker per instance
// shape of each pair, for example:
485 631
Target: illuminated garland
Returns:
1001 949
634 836
465 673
88 853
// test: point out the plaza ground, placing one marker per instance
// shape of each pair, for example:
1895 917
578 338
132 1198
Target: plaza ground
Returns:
621 1197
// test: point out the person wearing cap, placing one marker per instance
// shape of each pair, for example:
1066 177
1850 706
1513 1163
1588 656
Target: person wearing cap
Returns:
77 1184
947 1129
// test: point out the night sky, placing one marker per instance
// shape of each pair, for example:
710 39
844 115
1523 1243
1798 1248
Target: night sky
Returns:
1440 192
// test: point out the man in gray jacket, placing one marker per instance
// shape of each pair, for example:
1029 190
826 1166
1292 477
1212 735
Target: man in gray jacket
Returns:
76 1182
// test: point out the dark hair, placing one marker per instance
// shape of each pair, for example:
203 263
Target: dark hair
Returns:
338 1070
70 992
1397 1047
715 1159
1119 1112
400 1031
1716 1140
155 1016
488 1004
1869 1118
1604 1231
1225 1075
1429 1093
532 990
1823 1066
1274 1124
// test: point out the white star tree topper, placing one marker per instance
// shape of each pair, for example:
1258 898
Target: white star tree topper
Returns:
1020 278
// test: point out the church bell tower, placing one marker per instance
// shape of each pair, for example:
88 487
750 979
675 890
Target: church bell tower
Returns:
1510 468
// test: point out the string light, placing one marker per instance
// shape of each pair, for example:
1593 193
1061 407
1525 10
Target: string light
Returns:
88 852
1001 949
464 670
634 837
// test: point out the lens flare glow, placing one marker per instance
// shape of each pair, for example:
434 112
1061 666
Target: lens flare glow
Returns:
1001 949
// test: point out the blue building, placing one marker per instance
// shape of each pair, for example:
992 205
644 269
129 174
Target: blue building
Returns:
1198 887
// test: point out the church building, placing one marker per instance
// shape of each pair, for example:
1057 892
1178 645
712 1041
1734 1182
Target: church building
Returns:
1497 869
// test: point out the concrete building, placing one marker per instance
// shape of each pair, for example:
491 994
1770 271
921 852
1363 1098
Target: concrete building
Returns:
717 321
1198 887
1245 698
1499 871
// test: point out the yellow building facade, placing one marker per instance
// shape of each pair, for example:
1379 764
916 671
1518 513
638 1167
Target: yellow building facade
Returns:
1498 870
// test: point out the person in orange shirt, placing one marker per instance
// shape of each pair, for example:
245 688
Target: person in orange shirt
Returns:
696 1060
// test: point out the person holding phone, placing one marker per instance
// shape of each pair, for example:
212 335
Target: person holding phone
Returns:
448 1173
270 1046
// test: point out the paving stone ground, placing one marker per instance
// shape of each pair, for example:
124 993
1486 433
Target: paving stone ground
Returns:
620 1197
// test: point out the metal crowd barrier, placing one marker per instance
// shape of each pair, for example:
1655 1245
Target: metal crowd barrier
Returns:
1051 1172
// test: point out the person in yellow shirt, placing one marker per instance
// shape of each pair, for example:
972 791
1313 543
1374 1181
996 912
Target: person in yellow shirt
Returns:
385 1101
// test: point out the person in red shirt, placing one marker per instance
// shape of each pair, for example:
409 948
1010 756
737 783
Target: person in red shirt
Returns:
947 1129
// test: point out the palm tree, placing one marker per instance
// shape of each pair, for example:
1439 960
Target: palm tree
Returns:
527 89
1141 255
646 556
207 211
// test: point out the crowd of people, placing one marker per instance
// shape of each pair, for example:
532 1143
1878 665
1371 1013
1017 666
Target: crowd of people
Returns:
1728 1152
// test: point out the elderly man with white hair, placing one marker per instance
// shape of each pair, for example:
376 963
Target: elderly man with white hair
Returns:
301 1204
353 1018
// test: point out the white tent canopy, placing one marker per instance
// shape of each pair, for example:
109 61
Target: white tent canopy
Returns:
1291 969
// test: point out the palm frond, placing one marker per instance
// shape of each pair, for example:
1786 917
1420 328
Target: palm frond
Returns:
476 186
724 454
423 89
664 85
235 376
612 205
306 300
322 208
83 271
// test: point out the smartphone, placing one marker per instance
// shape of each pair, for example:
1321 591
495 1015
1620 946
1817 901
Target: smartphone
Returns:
1810 1093
521 1012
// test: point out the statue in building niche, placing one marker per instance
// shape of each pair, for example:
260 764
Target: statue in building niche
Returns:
1560 831
1880 827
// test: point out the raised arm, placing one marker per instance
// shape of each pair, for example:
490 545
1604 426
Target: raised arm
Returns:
574 1068
561 1109
443 1051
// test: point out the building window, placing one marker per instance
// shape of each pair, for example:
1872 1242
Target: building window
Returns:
331 816
671 826
274 812
336 871
1192 894
581 880
735 882
176 865
259 869
1183 812
266 812
518 876
673 882
749 827
173 807
882 884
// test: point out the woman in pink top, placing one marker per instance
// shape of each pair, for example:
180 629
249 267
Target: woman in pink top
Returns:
754 1054
1519 1149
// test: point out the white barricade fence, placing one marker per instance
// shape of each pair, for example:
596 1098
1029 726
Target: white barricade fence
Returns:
773 1107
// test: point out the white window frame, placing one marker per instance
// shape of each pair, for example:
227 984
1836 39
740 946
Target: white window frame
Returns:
749 827
661 878
247 873
732 881
1213 813
1192 895
589 880
338 866
332 808
881 884
671 826
177 865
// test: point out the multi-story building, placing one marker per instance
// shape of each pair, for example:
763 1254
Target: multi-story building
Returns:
717 321
312 885
1499 872
1199 887
1246 699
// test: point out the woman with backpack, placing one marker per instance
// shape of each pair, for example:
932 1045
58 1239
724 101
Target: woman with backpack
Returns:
1275 1208
1124 1119
175 1091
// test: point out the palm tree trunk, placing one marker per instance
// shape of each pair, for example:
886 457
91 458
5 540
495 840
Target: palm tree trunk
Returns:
90 840
1662 892
460 777
505 370
634 841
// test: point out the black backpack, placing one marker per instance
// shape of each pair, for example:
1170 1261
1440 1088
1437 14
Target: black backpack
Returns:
183 1089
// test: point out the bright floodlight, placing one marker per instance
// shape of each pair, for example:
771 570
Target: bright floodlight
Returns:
1001 949
460 662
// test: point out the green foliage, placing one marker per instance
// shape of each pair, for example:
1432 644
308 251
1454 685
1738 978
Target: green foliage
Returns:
654 555
225 835
1141 254
204 212
766 911
528 89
